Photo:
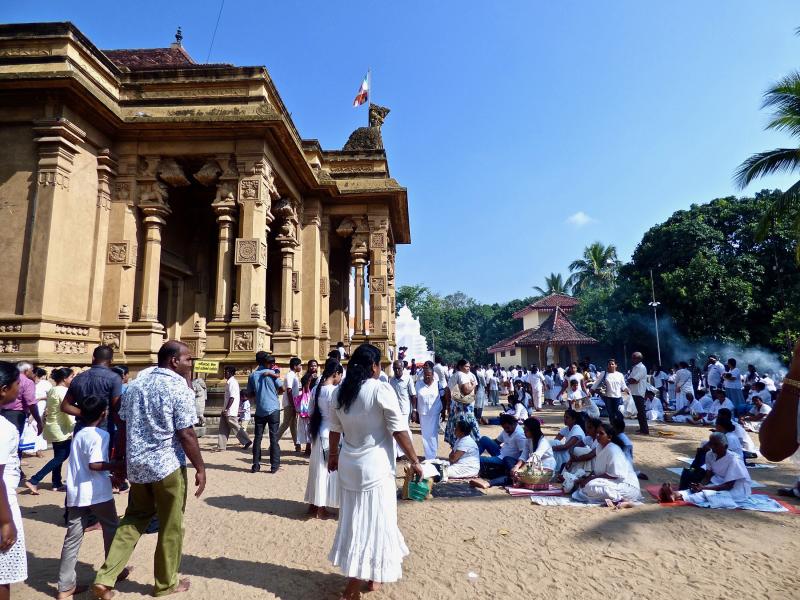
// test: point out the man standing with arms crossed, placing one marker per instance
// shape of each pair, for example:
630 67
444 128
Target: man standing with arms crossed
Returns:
637 384
155 437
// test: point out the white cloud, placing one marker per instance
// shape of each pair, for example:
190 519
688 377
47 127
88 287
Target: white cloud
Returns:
579 219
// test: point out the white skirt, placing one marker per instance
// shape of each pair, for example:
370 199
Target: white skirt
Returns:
303 435
14 563
368 543
322 488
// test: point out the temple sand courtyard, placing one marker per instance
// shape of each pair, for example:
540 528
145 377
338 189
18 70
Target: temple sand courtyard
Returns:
247 537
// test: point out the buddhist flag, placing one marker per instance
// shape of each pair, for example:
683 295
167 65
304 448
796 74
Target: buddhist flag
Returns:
363 92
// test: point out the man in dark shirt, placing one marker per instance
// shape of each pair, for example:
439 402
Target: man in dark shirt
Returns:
99 381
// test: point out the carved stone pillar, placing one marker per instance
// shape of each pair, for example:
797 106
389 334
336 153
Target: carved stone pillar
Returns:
256 188
284 340
358 258
378 284
154 218
225 209
325 285
58 143
392 296
309 293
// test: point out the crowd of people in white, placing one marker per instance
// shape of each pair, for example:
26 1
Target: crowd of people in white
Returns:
353 420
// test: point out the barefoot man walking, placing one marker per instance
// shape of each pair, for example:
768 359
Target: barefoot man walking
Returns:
156 436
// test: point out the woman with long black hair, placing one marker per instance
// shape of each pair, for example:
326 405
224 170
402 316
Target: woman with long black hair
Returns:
368 546
322 489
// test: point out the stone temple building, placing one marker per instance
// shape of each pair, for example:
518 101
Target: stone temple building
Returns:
145 196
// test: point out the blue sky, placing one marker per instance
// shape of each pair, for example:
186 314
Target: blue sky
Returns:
508 118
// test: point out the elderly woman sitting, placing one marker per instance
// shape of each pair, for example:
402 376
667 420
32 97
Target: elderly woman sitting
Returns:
613 479
725 476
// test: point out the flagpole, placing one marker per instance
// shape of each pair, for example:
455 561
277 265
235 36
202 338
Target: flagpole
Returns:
369 91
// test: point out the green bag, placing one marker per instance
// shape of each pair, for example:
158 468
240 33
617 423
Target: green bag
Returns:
418 490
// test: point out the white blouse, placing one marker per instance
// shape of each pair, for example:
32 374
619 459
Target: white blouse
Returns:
324 406
543 450
428 398
367 457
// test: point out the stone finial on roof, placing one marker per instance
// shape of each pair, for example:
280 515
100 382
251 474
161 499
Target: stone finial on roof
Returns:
178 39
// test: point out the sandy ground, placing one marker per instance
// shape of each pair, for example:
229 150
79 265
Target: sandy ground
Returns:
247 537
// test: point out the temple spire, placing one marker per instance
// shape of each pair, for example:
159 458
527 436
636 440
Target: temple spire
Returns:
178 39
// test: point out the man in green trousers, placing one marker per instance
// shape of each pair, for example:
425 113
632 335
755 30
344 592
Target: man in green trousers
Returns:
155 437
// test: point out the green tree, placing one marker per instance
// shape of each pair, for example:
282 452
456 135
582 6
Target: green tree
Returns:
554 284
784 99
597 268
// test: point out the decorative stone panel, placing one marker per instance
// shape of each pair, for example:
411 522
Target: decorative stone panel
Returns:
72 330
112 339
377 240
295 281
242 341
377 284
10 328
70 347
9 346
121 253
250 251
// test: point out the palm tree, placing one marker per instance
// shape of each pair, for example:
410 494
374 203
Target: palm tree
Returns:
784 98
598 267
554 284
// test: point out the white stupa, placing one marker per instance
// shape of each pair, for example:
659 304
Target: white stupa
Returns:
408 335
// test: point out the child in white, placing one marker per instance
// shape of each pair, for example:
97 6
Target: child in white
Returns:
465 458
88 492
13 560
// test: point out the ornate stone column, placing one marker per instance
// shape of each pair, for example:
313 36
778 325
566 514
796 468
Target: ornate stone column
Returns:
358 259
325 285
256 189
284 339
225 210
310 293
392 295
378 284
154 218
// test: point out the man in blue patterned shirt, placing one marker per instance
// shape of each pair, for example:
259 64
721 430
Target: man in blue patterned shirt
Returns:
157 435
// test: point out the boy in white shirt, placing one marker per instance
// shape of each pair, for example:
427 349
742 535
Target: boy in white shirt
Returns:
229 419
89 492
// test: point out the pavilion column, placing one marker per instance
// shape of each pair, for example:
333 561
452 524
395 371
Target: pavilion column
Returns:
358 259
225 210
154 218
310 294
324 285
378 284
392 297
284 341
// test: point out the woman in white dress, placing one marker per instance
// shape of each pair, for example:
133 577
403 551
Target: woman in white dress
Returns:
537 444
366 417
428 412
613 478
322 489
13 560
569 437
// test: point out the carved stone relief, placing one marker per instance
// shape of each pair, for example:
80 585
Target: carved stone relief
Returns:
208 173
377 285
121 253
112 339
170 172
72 330
377 240
250 251
242 341
10 328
